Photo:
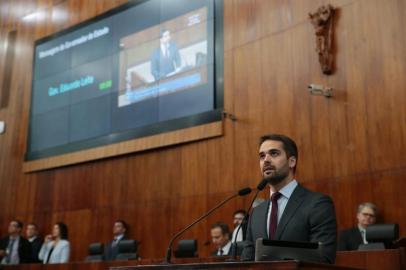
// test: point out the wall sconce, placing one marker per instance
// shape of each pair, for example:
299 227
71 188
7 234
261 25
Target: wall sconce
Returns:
2 127
229 116
320 90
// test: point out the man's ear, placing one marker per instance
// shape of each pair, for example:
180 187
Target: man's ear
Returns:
292 162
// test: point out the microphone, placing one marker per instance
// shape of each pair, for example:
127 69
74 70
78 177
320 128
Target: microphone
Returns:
242 192
260 187
262 184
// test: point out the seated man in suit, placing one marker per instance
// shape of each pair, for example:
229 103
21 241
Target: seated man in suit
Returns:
15 249
220 237
31 233
119 231
293 213
351 239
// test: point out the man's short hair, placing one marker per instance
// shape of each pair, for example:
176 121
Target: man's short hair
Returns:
240 211
33 224
224 227
19 223
289 145
123 223
369 205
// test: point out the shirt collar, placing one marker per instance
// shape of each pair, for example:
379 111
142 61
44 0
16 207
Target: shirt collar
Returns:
226 248
32 239
287 190
14 238
361 229
118 237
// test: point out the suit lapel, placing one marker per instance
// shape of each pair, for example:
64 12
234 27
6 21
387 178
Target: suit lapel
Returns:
261 217
357 238
265 219
295 200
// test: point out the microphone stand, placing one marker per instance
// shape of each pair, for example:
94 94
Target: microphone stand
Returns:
242 192
234 245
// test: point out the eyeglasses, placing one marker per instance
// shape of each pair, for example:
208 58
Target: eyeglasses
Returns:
368 215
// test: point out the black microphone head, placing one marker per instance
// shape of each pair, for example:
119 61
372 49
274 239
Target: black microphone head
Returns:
262 184
244 191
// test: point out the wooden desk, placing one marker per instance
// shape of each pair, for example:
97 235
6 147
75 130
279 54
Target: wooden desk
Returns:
277 265
393 259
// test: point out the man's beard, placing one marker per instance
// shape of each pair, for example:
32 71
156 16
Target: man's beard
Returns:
277 177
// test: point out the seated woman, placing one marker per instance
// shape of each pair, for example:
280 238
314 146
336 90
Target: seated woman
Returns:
56 248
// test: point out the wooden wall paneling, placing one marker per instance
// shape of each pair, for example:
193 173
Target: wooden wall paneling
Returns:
248 26
186 210
193 178
225 148
8 70
383 73
388 192
248 102
354 88
302 70
350 146
109 181
228 31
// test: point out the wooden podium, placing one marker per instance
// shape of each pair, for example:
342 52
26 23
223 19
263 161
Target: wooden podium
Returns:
275 265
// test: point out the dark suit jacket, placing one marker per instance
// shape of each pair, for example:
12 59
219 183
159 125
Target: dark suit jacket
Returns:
110 252
308 217
35 248
350 239
24 248
160 65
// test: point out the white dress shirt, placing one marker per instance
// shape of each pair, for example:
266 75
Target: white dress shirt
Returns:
117 239
363 233
286 192
32 239
225 249
235 237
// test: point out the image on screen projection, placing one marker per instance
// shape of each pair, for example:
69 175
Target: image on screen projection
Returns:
124 75
164 59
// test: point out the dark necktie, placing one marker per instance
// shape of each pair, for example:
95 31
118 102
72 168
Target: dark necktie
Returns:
221 252
273 222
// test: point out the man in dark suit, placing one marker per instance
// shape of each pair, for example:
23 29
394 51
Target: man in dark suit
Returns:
166 59
119 231
31 233
293 213
15 249
220 237
351 239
